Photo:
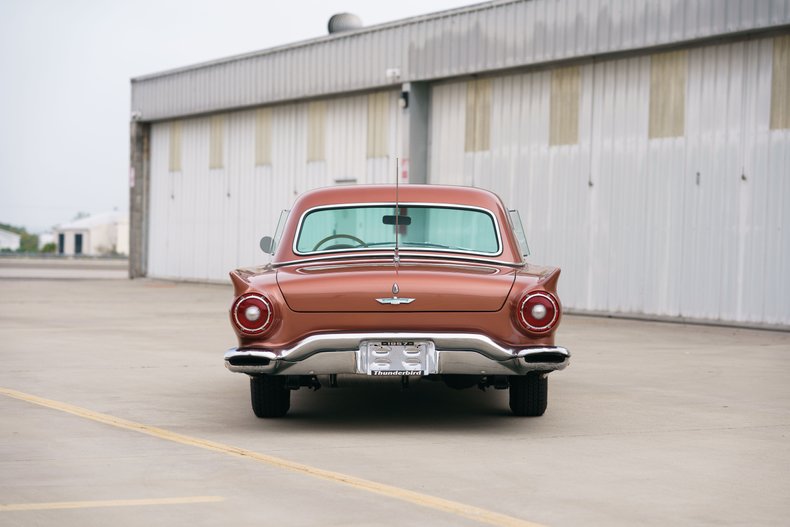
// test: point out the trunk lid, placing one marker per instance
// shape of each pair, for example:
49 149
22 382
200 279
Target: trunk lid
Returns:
355 287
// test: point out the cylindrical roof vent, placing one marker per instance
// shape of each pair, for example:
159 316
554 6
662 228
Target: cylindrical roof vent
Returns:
343 22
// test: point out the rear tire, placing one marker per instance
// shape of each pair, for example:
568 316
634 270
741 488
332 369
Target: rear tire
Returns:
270 397
529 394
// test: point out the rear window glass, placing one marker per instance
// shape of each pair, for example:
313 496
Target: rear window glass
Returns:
419 227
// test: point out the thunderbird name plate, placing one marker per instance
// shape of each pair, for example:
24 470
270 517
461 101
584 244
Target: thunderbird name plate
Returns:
393 358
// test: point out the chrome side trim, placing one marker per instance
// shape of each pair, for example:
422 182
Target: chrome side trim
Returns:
388 257
333 353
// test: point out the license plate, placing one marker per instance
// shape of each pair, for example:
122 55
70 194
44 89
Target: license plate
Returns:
393 358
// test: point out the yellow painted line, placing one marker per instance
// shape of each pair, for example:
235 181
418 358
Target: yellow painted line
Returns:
56 505
417 498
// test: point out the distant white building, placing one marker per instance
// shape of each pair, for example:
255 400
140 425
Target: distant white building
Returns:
9 240
100 234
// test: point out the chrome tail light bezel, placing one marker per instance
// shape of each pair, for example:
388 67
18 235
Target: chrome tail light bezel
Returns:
245 301
552 320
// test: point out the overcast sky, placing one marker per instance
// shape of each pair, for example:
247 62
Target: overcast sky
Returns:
65 67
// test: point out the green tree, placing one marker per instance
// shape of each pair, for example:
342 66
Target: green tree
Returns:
28 243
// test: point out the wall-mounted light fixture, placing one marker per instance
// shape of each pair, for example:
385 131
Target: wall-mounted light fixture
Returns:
403 100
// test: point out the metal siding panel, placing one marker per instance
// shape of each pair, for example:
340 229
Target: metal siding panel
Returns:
495 35
383 61
616 17
732 14
341 120
641 21
480 39
399 43
577 26
516 31
719 17
375 72
243 201
468 51
447 144
761 189
691 19
625 16
780 311
744 303
731 167
780 11
644 238
529 31
541 30
509 35
429 58
603 26
159 194
748 14
780 83
382 169
459 49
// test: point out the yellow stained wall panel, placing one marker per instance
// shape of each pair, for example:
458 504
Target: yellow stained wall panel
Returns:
478 116
668 94
564 110
780 84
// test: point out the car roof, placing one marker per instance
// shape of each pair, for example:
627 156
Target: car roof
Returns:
443 194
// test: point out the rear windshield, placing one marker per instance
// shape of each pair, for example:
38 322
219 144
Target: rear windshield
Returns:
420 227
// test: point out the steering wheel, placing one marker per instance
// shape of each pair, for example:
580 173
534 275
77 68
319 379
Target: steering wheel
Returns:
334 236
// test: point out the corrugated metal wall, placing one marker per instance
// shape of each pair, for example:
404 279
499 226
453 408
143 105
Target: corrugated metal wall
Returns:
207 221
480 38
696 225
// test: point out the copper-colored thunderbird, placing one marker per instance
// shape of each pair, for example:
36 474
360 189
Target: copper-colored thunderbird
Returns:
421 281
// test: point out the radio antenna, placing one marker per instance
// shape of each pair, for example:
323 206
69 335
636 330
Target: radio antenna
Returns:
397 214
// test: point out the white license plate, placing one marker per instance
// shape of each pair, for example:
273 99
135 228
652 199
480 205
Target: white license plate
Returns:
392 358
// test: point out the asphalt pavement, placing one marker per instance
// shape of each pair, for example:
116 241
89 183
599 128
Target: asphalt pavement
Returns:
117 410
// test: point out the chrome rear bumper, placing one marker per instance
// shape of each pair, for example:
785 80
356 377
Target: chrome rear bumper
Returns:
450 353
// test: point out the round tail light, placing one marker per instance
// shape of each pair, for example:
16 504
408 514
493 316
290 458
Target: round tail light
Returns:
538 312
252 314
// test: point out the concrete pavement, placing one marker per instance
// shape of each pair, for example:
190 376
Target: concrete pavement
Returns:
652 423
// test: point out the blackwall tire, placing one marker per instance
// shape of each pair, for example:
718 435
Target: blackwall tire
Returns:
529 394
270 398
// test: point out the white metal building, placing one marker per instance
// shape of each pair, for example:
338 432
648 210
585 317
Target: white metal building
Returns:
100 234
646 143
9 240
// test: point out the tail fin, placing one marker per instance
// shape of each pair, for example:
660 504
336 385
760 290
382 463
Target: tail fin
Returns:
549 280
240 282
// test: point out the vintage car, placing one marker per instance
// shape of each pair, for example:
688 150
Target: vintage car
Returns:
413 281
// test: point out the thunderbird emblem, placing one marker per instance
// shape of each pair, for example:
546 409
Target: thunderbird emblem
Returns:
394 300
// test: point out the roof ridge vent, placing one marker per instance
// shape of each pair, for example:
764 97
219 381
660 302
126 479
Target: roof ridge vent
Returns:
342 22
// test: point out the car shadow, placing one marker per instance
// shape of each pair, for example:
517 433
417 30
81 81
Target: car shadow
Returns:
377 405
